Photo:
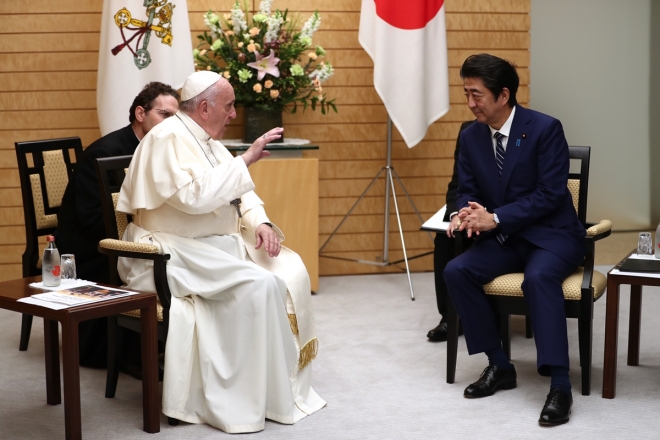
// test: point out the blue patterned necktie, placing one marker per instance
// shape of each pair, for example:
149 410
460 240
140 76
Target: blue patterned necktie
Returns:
499 159
499 152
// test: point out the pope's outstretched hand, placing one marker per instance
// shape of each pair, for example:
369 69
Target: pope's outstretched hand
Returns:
256 151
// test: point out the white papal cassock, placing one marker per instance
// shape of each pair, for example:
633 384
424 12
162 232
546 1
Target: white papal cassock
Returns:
241 336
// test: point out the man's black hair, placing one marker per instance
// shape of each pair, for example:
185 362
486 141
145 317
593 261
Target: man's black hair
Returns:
147 96
496 74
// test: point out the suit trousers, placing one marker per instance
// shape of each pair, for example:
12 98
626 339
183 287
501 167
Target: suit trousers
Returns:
544 272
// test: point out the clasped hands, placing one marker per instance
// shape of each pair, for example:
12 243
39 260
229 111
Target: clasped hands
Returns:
268 237
474 218
256 150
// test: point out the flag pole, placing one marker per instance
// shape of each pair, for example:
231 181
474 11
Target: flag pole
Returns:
388 181
390 176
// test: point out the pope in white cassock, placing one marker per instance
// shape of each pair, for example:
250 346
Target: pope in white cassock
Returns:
241 336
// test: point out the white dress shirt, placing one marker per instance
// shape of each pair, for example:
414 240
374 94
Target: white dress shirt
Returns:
506 128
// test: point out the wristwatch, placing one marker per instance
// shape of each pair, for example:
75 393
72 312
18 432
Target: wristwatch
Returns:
496 219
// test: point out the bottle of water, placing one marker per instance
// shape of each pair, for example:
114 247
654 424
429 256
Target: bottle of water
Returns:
657 242
50 264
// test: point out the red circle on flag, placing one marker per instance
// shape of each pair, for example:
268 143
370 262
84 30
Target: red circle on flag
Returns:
409 14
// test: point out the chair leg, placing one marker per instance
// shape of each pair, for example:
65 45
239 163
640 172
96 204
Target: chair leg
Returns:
452 341
114 350
585 337
26 328
528 327
505 334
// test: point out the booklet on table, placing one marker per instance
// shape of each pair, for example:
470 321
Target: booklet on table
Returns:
73 293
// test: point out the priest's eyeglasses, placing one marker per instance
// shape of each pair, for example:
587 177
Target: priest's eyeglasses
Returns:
165 113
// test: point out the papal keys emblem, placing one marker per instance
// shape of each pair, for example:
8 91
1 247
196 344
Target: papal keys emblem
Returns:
160 10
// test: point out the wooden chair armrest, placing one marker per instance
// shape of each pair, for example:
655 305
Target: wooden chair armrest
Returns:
120 248
595 232
599 230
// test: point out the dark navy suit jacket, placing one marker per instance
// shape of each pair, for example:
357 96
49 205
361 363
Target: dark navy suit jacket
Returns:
532 199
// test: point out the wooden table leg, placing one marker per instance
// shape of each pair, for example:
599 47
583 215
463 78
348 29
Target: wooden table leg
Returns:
52 350
70 365
150 389
611 338
634 324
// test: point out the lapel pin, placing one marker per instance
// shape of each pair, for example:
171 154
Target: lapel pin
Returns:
518 142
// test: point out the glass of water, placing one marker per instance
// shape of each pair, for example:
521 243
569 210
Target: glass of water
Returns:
645 244
68 267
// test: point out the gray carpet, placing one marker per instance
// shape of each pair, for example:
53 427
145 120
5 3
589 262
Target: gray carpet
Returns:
380 376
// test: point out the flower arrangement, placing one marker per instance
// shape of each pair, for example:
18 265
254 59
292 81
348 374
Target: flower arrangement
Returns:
269 62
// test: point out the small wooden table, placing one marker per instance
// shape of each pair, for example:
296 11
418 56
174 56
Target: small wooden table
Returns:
11 291
612 323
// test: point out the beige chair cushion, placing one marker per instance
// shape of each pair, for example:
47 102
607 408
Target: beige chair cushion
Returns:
56 176
56 180
122 219
574 189
136 313
43 220
510 285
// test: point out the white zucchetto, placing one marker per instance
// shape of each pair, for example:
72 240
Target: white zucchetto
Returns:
197 82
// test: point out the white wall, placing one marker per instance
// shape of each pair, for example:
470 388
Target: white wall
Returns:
590 68
654 112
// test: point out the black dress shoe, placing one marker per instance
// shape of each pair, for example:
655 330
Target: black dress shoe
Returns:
491 380
133 370
557 408
439 334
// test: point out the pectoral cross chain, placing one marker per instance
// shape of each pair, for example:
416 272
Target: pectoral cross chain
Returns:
237 202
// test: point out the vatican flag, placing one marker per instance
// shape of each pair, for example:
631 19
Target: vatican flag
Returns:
141 41
407 42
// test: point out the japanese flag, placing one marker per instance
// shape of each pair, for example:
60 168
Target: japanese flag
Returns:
141 41
408 44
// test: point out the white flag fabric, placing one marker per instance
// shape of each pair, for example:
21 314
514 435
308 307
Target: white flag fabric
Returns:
407 42
141 41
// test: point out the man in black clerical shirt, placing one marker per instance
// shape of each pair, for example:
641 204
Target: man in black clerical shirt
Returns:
80 224
444 248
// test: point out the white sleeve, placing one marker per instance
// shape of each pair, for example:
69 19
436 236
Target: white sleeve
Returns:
254 214
214 188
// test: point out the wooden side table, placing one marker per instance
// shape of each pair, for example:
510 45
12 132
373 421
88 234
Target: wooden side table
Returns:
69 318
614 280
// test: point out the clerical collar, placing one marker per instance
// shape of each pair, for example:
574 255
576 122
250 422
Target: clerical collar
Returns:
506 128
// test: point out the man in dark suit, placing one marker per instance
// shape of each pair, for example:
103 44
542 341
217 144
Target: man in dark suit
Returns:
80 224
513 171
444 247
